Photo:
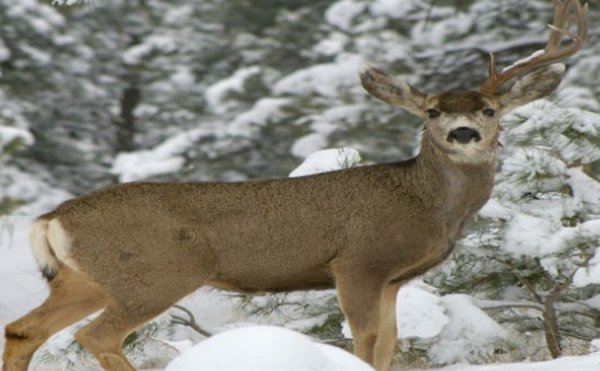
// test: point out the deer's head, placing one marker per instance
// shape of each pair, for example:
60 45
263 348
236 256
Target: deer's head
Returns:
466 124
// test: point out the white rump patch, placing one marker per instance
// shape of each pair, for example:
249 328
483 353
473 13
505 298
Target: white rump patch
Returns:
39 245
50 244
59 240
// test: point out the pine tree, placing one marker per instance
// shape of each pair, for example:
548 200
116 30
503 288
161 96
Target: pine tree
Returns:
21 68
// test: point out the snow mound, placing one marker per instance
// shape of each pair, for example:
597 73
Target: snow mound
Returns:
327 160
420 311
265 348
470 335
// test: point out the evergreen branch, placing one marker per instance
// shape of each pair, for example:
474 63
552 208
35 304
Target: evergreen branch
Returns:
560 307
579 303
537 298
571 276
580 336
492 305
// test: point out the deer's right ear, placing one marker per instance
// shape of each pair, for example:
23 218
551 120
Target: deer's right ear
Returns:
392 90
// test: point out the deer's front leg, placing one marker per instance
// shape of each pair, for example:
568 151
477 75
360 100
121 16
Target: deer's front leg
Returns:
387 335
359 297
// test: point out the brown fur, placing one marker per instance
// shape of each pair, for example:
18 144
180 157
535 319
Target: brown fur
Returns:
461 102
136 249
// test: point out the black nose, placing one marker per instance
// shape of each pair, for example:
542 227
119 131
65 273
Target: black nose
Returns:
464 135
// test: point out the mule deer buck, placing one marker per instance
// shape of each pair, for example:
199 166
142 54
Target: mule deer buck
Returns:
133 250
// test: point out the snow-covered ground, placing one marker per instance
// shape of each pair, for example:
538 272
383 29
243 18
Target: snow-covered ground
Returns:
21 288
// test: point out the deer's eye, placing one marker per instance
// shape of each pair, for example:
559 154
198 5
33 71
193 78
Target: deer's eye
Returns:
433 113
489 112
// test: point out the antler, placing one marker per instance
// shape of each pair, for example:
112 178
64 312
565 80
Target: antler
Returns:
552 52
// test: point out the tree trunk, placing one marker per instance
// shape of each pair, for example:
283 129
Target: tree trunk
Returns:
125 123
553 338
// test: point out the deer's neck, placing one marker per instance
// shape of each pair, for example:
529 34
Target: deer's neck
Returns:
461 189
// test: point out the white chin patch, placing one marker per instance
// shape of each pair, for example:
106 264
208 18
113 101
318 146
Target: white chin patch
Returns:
470 153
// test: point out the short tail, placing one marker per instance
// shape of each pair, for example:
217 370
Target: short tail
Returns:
50 245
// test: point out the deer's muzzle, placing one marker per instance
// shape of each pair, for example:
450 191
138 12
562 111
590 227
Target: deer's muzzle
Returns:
464 135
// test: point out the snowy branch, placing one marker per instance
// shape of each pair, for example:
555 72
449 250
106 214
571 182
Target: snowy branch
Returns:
573 308
66 2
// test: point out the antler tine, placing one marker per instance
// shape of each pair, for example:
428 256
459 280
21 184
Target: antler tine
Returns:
552 51
559 22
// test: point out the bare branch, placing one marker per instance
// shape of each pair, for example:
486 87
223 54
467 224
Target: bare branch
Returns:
190 321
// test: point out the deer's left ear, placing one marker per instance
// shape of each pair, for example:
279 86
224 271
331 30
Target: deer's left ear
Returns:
534 86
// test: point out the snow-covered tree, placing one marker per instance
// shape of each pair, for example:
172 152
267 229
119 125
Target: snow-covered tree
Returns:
22 74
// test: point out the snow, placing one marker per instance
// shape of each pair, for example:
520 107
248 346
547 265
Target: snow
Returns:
438 33
183 77
39 56
342 13
66 2
332 45
469 336
584 363
327 160
495 210
570 131
590 274
323 124
263 111
265 348
526 235
161 43
216 94
40 197
165 158
525 60
308 144
532 170
8 134
585 189
394 8
324 79
5 53
179 14
420 311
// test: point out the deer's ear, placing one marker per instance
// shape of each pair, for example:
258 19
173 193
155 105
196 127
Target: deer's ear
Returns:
534 86
392 90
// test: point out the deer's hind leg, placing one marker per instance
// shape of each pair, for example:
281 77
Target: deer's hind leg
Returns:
72 298
129 308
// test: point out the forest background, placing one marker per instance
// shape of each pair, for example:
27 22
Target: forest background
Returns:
102 92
